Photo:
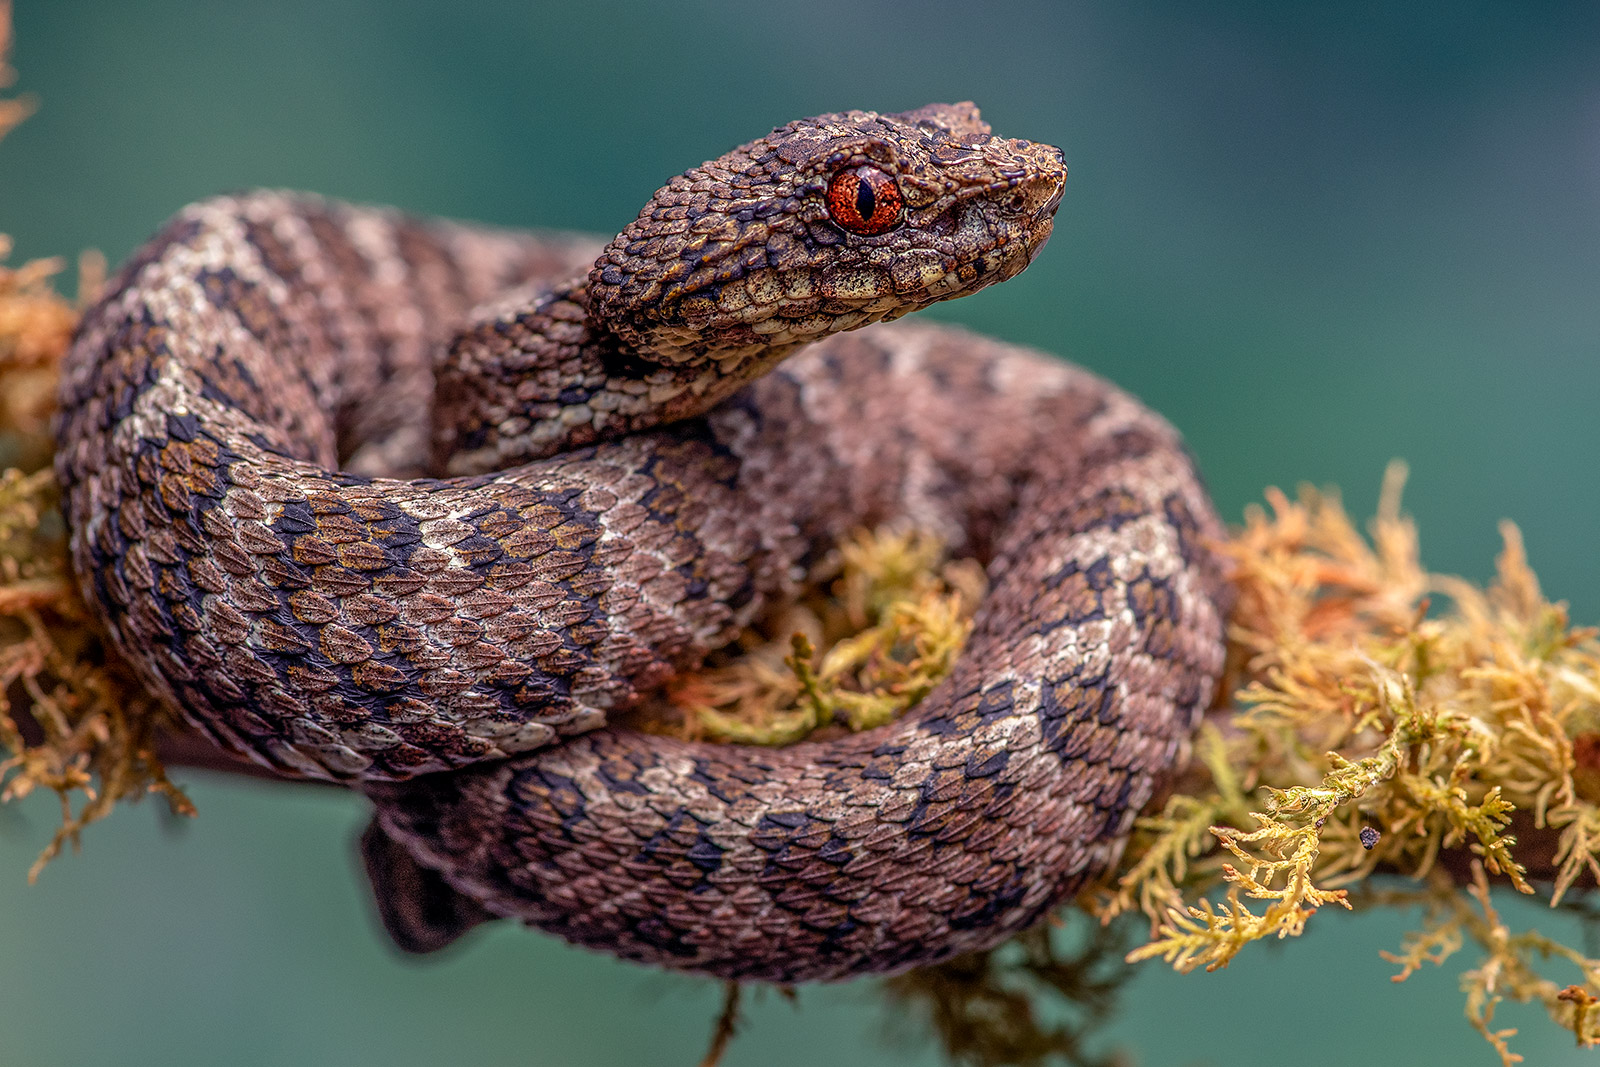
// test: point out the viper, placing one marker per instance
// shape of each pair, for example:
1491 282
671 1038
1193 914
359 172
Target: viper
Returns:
422 507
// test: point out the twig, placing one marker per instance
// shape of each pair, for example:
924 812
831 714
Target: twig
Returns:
727 1024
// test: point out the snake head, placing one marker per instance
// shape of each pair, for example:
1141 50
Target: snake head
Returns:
826 224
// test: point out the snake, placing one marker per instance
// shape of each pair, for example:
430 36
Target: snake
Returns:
423 507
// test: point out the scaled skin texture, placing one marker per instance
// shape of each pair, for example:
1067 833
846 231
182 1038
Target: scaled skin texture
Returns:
241 456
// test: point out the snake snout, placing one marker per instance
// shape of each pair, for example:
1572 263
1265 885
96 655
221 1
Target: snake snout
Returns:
1058 185
1047 179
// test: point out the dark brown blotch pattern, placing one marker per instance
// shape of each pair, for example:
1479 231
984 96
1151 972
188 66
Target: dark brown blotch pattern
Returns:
234 412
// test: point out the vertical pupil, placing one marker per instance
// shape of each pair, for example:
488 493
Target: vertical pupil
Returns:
866 199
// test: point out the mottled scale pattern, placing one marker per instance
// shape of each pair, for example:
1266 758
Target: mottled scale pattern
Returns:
251 478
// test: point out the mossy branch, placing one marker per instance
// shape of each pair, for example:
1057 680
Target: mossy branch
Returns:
1382 735
1370 729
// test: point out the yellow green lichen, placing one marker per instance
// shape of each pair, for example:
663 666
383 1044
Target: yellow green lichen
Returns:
1357 709
83 729
889 613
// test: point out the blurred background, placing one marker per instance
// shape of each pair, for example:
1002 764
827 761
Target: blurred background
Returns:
1314 236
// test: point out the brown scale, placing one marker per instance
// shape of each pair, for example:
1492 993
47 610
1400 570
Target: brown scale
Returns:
241 440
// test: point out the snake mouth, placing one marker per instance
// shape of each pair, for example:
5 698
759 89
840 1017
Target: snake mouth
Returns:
999 227
1046 213
969 244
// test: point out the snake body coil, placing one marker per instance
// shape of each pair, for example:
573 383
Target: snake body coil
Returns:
243 464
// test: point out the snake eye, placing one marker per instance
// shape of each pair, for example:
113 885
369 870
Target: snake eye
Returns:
865 200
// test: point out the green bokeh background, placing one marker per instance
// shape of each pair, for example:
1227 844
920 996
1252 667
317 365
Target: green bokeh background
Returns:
1315 236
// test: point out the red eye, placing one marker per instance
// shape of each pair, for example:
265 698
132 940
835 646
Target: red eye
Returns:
865 200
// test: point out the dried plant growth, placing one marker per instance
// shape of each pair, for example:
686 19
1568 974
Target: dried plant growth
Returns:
1371 734
1033 1001
889 613
72 720
14 109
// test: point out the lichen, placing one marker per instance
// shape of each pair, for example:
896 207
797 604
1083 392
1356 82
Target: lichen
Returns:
13 109
885 619
1038 999
72 719
1509 967
1380 731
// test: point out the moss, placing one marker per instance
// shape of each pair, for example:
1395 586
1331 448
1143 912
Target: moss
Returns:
1038 999
13 110
885 619
1380 731
72 719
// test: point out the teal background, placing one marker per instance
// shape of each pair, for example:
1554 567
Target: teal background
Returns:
1315 236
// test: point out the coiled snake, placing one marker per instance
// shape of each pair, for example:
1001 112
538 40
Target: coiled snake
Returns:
245 460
